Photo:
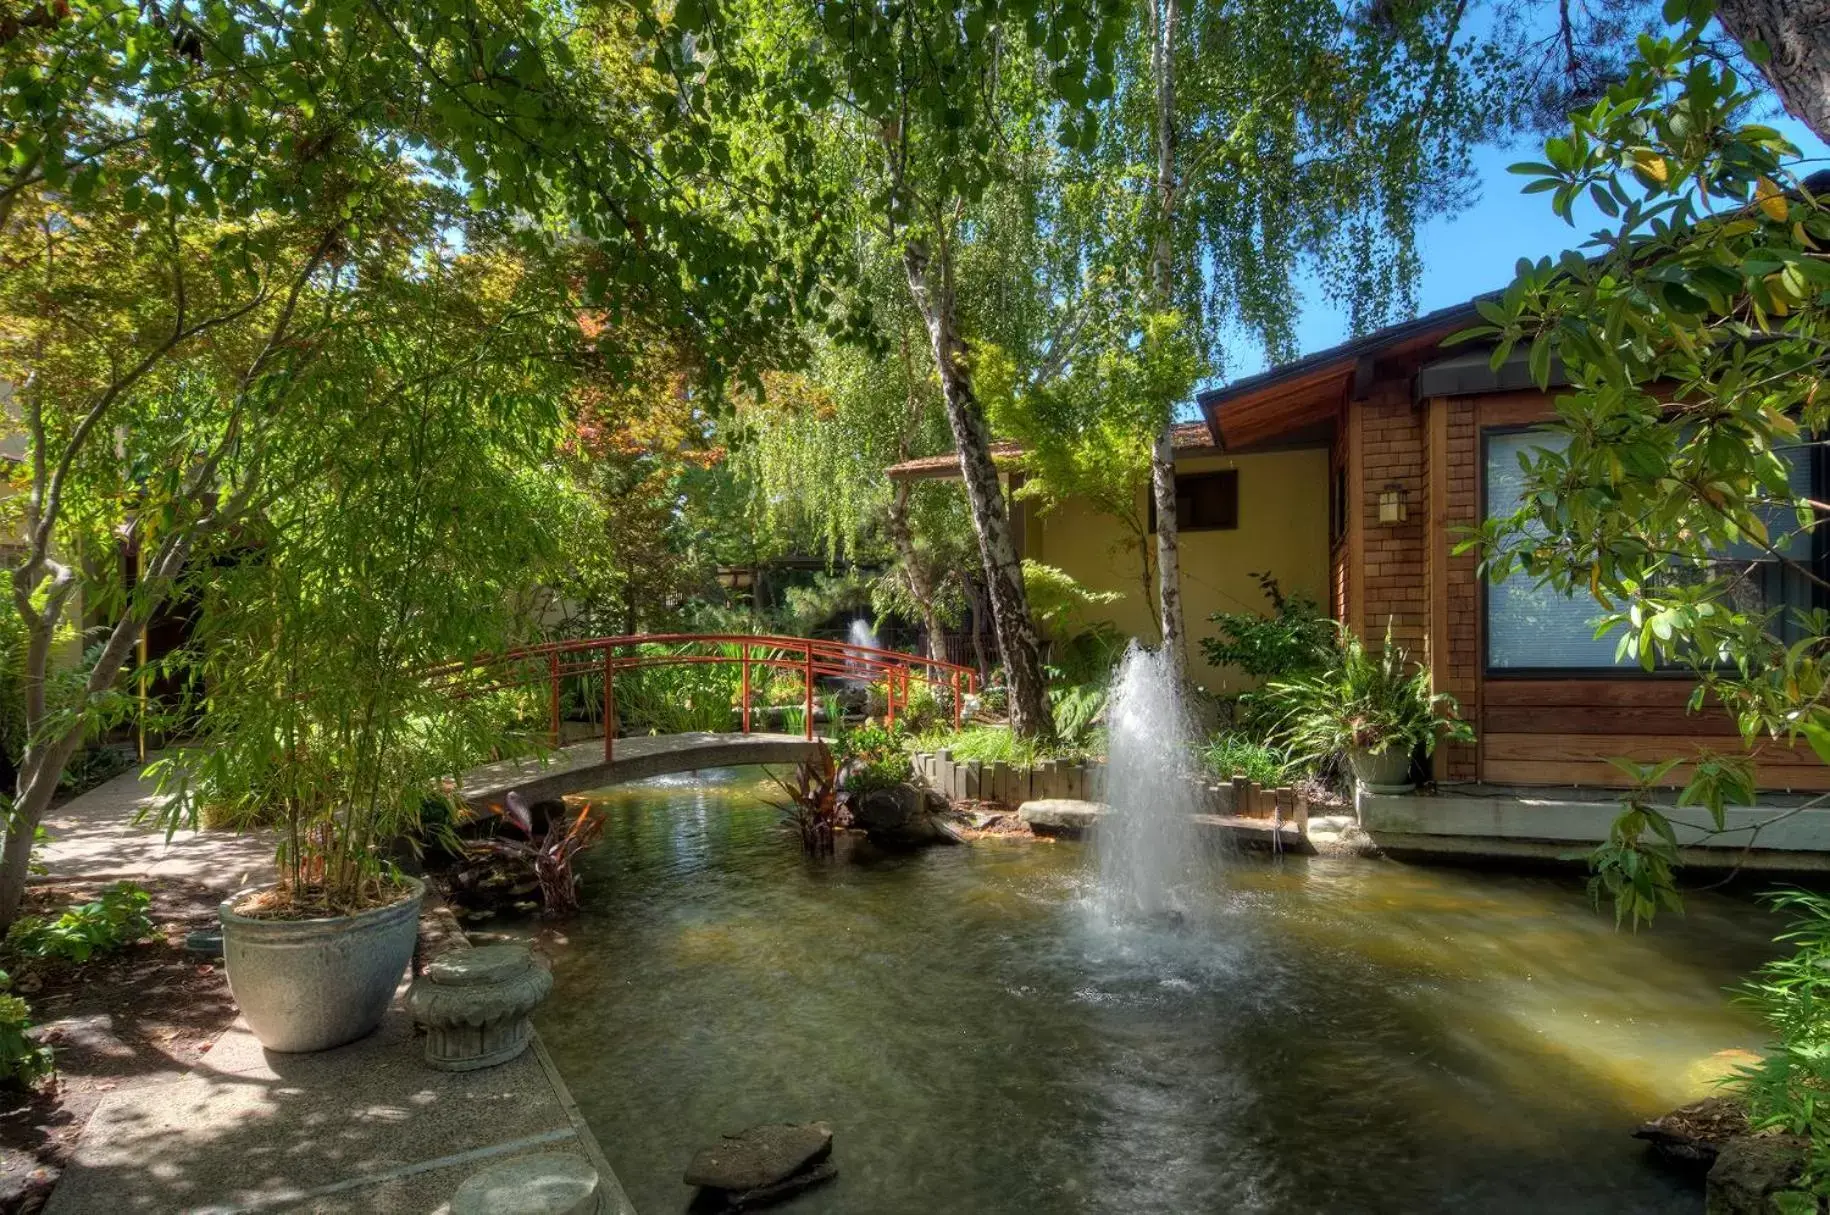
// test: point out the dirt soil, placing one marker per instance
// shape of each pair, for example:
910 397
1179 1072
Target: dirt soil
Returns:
142 1015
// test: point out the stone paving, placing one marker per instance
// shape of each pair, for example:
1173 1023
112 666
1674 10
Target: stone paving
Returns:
366 1127
94 835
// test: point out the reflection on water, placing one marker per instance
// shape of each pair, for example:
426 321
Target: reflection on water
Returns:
1316 1036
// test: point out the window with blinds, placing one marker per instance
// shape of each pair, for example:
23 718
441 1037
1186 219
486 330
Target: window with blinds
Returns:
1532 627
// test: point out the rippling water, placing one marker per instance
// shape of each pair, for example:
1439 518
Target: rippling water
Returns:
1319 1035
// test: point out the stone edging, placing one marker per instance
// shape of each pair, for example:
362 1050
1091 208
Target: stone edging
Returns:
1084 780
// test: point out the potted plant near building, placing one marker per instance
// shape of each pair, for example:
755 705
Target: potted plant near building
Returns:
1372 709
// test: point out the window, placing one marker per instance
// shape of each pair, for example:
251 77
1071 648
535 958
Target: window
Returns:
1531 627
1205 502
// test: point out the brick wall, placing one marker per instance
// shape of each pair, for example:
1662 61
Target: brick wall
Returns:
1395 559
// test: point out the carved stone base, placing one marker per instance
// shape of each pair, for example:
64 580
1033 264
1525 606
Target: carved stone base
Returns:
475 1003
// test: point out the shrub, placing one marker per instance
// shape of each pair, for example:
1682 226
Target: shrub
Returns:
1296 638
23 1062
1787 1090
872 756
1365 702
1228 755
676 699
1077 710
115 919
996 745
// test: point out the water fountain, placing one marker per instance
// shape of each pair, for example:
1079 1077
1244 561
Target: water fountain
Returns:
861 633
1148 846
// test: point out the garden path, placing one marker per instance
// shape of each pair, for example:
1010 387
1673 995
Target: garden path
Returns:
366 1127
94 836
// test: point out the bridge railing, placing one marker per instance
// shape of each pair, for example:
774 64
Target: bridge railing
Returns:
552 663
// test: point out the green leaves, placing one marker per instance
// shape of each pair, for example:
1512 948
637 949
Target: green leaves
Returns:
117 919
1692 335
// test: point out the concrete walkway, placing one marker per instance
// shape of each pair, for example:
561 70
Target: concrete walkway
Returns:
366 1127
94 836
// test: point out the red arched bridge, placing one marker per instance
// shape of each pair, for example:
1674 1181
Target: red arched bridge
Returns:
593 665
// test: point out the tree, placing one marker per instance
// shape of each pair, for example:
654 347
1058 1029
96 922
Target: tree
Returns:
1694 333
934 102
235 180
1790 40
1242 144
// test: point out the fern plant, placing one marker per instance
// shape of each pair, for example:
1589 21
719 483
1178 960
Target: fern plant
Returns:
1789 1089
1365 701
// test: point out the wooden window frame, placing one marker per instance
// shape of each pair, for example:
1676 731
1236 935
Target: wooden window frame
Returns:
1218 474
1820 563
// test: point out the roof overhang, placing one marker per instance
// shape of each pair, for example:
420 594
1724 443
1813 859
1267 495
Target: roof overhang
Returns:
1309 393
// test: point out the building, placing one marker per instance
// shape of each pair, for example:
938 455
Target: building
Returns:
1351 474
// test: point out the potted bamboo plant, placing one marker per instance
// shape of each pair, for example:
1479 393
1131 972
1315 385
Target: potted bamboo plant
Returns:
400 543
1374 710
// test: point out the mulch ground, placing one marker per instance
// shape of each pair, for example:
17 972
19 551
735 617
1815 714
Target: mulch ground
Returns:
146 1013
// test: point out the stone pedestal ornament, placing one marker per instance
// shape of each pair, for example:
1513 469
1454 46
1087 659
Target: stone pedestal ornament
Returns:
548 1184
474 1004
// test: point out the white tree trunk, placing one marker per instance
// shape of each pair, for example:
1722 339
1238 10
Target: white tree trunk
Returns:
932 289
1162 455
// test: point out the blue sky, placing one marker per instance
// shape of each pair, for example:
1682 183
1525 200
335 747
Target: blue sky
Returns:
1475 250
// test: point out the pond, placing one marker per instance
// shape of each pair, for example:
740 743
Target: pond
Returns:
1318 1035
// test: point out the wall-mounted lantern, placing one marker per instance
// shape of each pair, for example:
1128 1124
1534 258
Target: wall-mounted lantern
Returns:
1391 504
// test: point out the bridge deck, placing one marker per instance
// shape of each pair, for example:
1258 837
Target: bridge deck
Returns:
580 766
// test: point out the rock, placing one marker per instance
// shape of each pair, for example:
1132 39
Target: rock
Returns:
1692 1135
739 1200
897 815
205 942
760 1157
1750 1170
1060 816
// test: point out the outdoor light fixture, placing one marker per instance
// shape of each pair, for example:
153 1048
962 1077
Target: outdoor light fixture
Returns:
1391 504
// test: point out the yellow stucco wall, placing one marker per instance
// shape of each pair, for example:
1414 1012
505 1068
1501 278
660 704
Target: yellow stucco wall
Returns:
1283 528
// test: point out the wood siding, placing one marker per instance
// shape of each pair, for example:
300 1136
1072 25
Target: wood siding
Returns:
1531 730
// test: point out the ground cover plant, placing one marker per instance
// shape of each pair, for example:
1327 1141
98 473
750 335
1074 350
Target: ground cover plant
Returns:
115 919
1231 754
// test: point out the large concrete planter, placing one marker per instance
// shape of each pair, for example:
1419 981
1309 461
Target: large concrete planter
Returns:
1386 772
307 985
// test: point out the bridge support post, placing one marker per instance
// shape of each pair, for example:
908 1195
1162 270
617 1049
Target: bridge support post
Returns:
807 690
959 707
552 679
609 706
743 650
889 697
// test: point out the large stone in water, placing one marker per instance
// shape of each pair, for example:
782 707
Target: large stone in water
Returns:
760 1157
1060 816
898 814
1693 1135
1751 1169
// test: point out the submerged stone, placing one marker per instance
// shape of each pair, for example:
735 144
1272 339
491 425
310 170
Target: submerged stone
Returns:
897 815
1692 1135
742 1200
1060 816
547 1184
1751 1170
760 1157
